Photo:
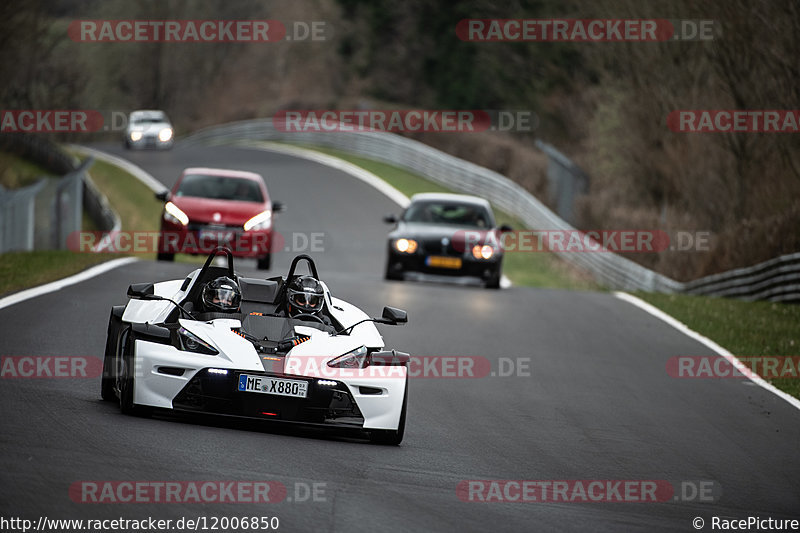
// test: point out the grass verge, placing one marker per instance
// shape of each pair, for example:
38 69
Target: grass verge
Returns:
746 329
16 172
20 270
532 269
137 208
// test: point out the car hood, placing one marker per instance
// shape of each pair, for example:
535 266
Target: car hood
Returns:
417 230
209 211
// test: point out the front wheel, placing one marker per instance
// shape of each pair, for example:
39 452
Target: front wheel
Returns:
127 379
392 274
494 281
392 437
264 263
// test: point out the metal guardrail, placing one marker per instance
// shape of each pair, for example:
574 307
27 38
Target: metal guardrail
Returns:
610 270
17 217
44 215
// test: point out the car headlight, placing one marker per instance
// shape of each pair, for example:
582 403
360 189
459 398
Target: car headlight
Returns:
165 134
136 135
406 246
482 252
189 342
262 220
173 214
353 359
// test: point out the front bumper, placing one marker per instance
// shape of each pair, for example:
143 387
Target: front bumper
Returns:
172 379
484 269
211 393
149 141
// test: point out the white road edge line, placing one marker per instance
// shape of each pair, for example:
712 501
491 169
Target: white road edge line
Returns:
53 286
349 168
683 328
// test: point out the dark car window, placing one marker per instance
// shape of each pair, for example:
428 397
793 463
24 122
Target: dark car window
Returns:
448 213
148 120
220 188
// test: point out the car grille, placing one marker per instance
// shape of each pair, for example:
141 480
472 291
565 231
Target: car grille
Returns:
435 247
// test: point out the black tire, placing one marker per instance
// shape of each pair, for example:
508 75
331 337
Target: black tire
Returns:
127 381
392 274
165 257
392 437
112 337
494 281
265 263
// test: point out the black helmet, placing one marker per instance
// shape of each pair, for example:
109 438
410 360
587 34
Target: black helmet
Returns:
305 295
222 294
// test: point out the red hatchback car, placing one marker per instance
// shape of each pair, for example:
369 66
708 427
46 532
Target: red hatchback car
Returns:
209 207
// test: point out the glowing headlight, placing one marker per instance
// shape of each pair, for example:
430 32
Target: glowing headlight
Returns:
190 342
165 135
482 252
173 214
407 246
354 359
262 220
136 135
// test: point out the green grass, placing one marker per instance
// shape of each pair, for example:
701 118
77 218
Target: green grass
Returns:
16 172
533 269
746 329
20 270
134 203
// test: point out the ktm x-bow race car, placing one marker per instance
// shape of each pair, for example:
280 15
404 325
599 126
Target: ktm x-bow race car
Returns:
260 359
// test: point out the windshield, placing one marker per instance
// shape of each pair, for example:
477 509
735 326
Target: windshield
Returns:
148 120
220 188
452 213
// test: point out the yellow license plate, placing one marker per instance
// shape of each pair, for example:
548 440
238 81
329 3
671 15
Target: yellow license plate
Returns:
443 262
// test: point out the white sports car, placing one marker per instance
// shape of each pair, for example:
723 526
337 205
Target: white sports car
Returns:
165 350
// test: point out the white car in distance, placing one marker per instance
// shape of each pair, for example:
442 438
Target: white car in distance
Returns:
148 129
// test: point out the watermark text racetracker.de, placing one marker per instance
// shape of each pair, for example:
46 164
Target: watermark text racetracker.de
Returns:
405 120
55 366
50 121
587 491
197 31
202 492
585 30
144 242
734 121
417 367
582 241
103 525
720 367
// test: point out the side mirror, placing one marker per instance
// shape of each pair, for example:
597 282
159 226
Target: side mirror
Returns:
389 358
394 316
390 219
278 207
505 228
163 195
142 291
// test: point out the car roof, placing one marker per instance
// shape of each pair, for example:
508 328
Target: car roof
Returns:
224 172
450 197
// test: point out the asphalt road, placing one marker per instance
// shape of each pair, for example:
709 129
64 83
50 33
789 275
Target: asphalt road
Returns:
597 403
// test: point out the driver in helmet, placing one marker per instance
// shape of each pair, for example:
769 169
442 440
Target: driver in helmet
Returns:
305 296
222 295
